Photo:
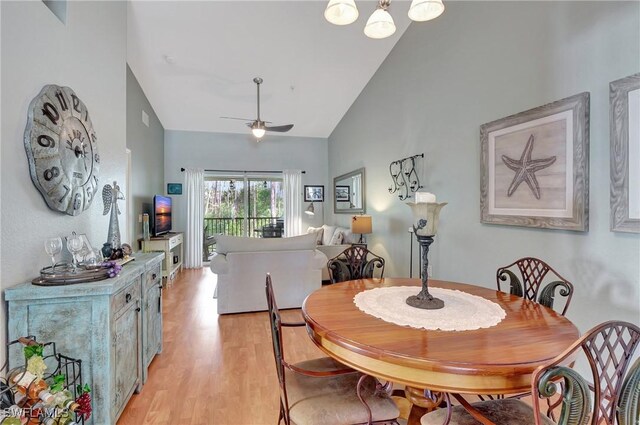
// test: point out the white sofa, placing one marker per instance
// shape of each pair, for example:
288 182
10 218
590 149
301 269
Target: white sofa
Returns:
242 264
331 240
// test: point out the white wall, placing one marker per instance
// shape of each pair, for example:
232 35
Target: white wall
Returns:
225 151
87 54
478 62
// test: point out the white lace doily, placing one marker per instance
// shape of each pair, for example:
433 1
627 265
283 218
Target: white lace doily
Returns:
461 312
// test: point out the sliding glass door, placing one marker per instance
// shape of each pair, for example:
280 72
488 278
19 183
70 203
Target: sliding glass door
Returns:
244 205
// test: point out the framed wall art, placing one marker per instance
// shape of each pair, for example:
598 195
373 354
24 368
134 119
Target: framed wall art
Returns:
174 188
313 193
624 121
535 167
342 194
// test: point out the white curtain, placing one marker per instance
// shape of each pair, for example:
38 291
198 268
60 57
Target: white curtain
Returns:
292 202
194 184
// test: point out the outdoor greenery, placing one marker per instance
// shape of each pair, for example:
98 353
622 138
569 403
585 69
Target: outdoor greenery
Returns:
225 201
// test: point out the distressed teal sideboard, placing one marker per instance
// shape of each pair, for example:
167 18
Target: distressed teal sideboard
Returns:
114 326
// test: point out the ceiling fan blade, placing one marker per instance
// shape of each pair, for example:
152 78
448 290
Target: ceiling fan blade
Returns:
279 128
236 118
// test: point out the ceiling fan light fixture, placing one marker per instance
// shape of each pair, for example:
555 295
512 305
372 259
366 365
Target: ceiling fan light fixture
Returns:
425 10
341 12
258 130
380 24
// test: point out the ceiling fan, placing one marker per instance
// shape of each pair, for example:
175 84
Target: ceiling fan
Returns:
257 126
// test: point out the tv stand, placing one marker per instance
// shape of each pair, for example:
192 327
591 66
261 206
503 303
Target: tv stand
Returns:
171 245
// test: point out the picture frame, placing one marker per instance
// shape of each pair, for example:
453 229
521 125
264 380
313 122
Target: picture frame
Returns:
174 188
313 193
535 167
624 127
343 194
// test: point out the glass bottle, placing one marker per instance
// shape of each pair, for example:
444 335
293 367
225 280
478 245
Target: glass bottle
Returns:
30 385
64 399
9 420
65 418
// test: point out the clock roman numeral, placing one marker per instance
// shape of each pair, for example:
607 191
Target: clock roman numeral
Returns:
51 112
62 100
67 190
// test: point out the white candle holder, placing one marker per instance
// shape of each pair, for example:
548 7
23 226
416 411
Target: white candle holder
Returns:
425 217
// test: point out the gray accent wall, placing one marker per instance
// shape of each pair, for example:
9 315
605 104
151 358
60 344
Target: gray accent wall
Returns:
147 153
88 54
478 62
191 149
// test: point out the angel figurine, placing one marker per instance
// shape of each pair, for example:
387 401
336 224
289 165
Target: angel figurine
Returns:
110 197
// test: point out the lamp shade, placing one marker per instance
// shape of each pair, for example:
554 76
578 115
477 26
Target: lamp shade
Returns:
311 210
425 10
341 12
425 217
361 224
379 25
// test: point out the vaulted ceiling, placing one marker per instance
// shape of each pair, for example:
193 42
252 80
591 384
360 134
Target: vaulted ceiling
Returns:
196 60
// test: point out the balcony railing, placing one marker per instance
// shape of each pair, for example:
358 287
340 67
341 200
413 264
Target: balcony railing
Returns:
235 226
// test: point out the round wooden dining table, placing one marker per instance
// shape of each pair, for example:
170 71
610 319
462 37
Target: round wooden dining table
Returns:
495 360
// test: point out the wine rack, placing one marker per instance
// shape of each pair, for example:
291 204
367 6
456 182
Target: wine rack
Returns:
58 364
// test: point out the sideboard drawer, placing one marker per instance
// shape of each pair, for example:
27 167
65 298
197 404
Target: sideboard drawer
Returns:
127 296
153 276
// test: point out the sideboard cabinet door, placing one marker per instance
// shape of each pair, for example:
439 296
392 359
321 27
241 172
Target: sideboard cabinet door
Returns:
127 355
152 318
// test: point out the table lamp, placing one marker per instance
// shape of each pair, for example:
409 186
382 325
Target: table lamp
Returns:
426 213
361 224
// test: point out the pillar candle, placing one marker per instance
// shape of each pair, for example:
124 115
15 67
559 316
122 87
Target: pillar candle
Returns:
425 197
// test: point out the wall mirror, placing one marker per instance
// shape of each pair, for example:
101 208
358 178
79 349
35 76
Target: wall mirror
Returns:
348 193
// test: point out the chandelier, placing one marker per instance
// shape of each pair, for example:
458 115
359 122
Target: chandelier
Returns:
380 23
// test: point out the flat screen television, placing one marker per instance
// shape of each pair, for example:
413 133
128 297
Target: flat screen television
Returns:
161 215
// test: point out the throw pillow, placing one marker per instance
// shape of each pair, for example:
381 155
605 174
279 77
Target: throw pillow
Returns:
318 231
336 239
327 234
347 236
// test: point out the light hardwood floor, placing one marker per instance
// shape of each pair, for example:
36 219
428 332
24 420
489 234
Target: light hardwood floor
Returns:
213 369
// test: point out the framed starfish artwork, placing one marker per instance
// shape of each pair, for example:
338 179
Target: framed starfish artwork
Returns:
535 167
624 118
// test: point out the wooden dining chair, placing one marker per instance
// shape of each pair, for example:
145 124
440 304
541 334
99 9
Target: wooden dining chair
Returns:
612 398
355 262
322 391
539 282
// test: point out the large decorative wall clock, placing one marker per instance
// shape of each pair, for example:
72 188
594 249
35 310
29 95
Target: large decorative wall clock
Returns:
62 149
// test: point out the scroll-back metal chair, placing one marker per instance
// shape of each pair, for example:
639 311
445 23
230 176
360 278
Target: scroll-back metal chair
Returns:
355 262
535 285
322 391
612 398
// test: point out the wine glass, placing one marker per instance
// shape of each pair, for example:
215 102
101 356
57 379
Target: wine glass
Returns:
74 245
53 247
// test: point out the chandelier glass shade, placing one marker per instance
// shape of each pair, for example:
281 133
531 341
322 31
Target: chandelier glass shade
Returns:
425 10
341 12
380 24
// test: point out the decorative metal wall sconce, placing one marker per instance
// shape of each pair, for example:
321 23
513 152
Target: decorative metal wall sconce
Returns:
404 176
